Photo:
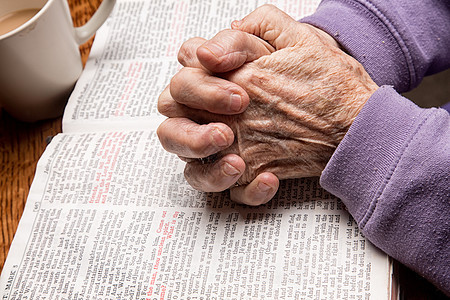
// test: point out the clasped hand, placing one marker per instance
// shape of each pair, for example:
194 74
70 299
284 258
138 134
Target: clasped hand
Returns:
271 99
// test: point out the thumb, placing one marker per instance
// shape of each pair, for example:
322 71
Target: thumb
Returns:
272 25
230 49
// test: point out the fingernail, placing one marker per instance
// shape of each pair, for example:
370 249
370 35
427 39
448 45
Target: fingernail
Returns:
236 23
219 138
235 102
215 49
263 188
229 170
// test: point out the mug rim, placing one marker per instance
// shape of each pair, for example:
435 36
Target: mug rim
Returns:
27 23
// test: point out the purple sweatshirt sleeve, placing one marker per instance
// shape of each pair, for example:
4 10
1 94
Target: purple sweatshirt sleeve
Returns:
397 42
392 169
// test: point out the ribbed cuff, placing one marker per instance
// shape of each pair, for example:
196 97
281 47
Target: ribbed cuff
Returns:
364 161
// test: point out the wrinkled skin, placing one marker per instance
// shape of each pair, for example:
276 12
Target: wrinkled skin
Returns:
303 100
303 94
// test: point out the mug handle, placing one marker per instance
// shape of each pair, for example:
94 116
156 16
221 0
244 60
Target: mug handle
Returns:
83 33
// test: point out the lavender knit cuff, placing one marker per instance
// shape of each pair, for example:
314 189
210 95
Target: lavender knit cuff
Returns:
363 162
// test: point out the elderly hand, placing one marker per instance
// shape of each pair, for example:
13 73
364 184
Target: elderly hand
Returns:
302 92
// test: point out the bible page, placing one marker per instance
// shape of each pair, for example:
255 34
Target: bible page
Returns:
110 215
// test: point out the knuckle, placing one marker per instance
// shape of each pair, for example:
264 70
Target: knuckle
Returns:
163 139
204 177
197 176
177 82
267 8
165 102
189 174
159 132
187 52
164 105
182 55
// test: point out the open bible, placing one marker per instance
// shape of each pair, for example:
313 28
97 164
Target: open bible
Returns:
110 215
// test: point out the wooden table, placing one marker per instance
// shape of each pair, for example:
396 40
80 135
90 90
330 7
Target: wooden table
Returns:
21 145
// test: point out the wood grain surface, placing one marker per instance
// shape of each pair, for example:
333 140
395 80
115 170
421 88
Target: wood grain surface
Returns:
21 145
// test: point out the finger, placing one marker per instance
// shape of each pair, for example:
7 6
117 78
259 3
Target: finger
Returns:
215 177
230 49
187 55
186 138
261 190
196 88
272 25
168 107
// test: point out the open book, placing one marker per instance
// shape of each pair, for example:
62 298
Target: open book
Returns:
110 215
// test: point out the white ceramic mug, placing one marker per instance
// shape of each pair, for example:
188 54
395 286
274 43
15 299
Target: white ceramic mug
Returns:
40 60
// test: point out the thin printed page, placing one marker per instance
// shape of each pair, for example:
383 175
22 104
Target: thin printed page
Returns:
135 54
110 215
